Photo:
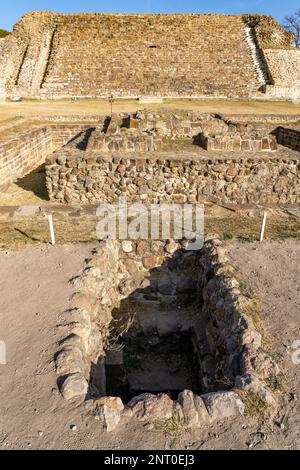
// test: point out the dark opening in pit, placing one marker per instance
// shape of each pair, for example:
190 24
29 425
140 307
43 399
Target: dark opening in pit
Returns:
161 337
152 364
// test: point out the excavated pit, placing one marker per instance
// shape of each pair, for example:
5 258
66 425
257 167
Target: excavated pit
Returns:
157 341
159 331
153 361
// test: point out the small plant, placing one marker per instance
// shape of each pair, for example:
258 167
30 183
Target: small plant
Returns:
227 271
173 426
251 309
246 290
227 236
120 325
254 406
276 382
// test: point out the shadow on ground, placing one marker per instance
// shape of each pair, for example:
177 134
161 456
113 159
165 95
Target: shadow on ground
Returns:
35 182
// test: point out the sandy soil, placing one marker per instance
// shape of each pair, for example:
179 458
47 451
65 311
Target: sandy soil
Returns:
34 293
92 107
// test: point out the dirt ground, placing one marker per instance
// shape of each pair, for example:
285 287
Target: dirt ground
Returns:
91 107
35 291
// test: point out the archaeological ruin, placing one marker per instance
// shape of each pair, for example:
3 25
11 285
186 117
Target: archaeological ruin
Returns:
155 330
131 56
178 158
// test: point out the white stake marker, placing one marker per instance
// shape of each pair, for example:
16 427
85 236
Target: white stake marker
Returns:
50 220
263 226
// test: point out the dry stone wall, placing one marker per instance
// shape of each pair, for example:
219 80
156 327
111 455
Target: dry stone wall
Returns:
88 178
54 56
239 142
234 345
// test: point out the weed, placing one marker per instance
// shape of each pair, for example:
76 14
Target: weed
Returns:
276 382
227 236
246 290
254 406
252 309
173 426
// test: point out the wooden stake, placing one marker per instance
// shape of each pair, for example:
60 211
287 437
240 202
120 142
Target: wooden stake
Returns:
51 227
263 226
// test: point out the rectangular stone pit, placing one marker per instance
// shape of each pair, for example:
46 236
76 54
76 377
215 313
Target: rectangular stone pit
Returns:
162 333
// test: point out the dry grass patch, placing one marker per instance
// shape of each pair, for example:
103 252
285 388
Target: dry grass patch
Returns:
172 427
18 234
255 407
101 106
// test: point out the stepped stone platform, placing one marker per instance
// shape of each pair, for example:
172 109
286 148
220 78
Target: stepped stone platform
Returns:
50 55
184 159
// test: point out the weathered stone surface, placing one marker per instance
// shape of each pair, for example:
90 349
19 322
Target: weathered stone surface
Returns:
87 302
69 360
69 71
94 344
222 405
148 407
265 366
190 414
251 383
73 341
251 337
109 410
259 363
278 183
152 261
127 246
83 330
114 403
203 415
74 386
222 334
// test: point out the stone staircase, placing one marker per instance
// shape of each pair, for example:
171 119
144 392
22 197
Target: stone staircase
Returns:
258 59
129 55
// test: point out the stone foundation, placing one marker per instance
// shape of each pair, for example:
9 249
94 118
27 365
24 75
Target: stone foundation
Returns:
211 159
243 142
226 341
90 178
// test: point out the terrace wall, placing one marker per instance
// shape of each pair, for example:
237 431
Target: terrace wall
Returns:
89 177
28 150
